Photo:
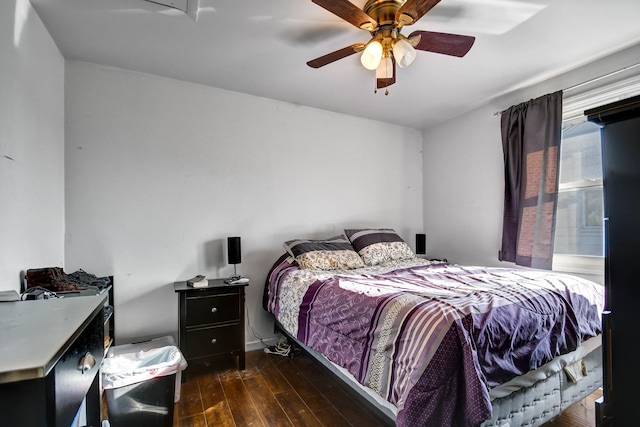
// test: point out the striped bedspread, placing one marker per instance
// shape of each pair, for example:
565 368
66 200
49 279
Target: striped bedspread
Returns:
434 338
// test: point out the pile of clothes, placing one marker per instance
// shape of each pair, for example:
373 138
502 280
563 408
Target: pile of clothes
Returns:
54 279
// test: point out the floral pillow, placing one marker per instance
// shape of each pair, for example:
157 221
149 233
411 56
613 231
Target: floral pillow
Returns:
377 246
335 253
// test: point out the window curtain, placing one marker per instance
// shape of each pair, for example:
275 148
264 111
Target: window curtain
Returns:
531 134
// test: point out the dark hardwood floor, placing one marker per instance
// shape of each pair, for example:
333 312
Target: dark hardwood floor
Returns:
284 391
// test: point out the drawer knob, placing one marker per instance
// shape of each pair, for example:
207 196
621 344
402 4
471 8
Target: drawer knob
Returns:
214 309
86 362
213 341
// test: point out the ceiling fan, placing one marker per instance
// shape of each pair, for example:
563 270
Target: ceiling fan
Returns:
384 19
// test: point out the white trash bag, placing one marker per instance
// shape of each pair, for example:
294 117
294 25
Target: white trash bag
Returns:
130 368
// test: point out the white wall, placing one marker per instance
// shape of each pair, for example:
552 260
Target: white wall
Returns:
463 169
31 145
463 190
159 172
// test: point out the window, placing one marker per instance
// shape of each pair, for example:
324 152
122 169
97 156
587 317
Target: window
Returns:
579 237
579 220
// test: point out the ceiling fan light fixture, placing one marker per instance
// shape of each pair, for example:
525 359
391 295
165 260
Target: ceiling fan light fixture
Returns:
384 20
403 53
372 55
385 69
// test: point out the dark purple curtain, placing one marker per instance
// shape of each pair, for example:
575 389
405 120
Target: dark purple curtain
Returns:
531 134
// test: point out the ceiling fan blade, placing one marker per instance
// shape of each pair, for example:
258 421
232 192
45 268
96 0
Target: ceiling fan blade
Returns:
380 83
447 44
349 12
334 56
413 10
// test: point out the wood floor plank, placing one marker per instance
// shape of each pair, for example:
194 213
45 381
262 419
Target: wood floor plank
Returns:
274 378
229 374
296 410
367 419
318 375
239 401
190 400
253 363
258 359
345 404
330 417
220 415
266 403
357 414
197 420
303 387
210 390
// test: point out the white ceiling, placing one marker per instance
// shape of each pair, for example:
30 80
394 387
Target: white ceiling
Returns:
261 47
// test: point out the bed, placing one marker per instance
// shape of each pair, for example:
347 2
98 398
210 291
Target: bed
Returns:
432 343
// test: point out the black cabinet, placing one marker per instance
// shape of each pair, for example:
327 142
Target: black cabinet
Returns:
51 355
211 321
621 181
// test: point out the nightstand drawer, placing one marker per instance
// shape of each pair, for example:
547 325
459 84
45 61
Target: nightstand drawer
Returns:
215 340
212 309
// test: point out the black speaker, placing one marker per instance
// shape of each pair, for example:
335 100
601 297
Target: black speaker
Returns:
421 244
233 250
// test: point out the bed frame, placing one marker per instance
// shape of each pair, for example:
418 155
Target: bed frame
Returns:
531 406
384 416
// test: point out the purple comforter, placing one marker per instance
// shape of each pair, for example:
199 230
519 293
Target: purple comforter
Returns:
433 338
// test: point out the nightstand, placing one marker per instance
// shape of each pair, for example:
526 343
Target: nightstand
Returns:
211 321
428 258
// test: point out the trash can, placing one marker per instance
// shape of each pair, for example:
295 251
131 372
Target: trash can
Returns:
140 386
148 345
